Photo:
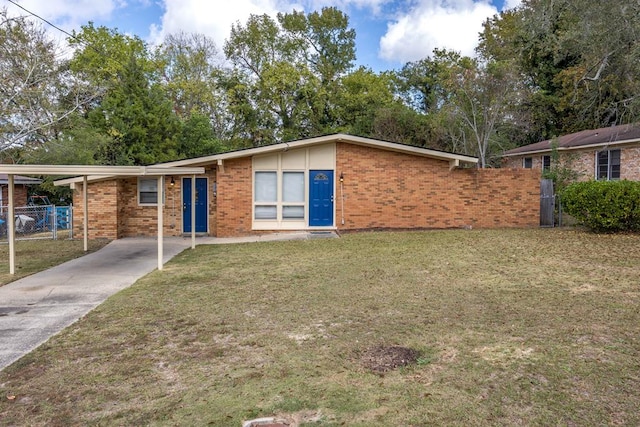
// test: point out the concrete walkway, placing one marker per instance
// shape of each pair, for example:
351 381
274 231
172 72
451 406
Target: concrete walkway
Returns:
36 307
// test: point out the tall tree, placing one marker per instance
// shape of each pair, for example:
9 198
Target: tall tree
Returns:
139 118
578 59
288 72
133 111
38 92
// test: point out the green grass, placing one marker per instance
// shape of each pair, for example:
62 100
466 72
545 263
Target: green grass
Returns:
514 327
33 256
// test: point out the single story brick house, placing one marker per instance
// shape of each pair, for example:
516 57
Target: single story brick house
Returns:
601 154
336 182
21 186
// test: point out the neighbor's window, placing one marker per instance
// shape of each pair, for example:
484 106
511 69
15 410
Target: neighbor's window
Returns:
148 191
271 202
546 163
527 163
608 164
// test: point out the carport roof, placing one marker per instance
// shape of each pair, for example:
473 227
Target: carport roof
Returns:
85 171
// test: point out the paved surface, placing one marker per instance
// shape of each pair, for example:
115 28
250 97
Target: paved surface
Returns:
36 307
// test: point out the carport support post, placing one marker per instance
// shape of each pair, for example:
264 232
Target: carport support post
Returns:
85 211
193 211
160 219
11 228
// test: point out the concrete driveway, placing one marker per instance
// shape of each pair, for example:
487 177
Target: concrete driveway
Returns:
39 306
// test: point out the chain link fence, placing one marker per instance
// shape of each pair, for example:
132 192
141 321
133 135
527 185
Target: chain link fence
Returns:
39 222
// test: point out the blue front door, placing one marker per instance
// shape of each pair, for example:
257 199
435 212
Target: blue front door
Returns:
201 205
320 198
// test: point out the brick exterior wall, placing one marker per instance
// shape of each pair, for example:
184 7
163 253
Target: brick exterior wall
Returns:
235 198
19 195
103 210
114 211
430 196
584 162
382 190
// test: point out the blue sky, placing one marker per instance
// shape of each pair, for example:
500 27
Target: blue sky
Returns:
389 33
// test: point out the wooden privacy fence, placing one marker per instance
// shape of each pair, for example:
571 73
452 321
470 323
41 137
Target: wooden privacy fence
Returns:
547 203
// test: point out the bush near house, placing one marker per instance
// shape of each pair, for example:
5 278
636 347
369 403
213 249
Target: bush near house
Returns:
604 205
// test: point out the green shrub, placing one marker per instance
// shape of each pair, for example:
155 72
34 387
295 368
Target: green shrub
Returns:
604 205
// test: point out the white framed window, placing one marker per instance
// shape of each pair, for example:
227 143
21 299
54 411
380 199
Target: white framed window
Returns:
527 162
148 191
608 165
293 195
546 163
279 195
265 195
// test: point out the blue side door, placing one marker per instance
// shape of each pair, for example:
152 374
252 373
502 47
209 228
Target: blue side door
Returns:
201 205
320 198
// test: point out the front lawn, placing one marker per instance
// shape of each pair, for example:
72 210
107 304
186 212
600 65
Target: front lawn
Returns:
510 327
33 256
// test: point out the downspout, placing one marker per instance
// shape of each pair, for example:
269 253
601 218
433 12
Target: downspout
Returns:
342 197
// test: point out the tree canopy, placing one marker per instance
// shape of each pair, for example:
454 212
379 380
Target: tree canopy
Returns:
546 68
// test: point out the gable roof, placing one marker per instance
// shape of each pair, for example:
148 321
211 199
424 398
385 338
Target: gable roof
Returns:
339 137
19 180
603 137
455 160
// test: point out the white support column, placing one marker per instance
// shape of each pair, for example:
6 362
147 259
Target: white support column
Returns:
11 228
85 213
193 211
160 220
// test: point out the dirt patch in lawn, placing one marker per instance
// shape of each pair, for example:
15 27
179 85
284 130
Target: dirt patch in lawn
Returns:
380 358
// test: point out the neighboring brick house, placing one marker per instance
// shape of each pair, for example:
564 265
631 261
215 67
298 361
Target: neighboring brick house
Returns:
20 189
336 182
603 154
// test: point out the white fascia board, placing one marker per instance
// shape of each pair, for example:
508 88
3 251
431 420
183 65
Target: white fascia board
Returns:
92 170
69 170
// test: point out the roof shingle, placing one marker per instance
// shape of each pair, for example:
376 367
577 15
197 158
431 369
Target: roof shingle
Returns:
603 136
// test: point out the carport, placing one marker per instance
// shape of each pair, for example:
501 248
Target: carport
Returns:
96 173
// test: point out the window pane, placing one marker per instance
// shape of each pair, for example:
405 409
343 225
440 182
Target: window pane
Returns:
293 212
293 186
546 163
148 189
614 162
148 185
266 187
528 162
602 167
149 197
615 157
265 212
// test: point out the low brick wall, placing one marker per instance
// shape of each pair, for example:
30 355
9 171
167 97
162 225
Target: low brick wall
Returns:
385 189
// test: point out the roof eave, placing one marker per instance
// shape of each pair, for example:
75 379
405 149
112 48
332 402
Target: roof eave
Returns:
575 147
357 140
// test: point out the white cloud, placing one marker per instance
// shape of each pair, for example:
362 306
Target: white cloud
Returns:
213 19
452 24
69 14
510 4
